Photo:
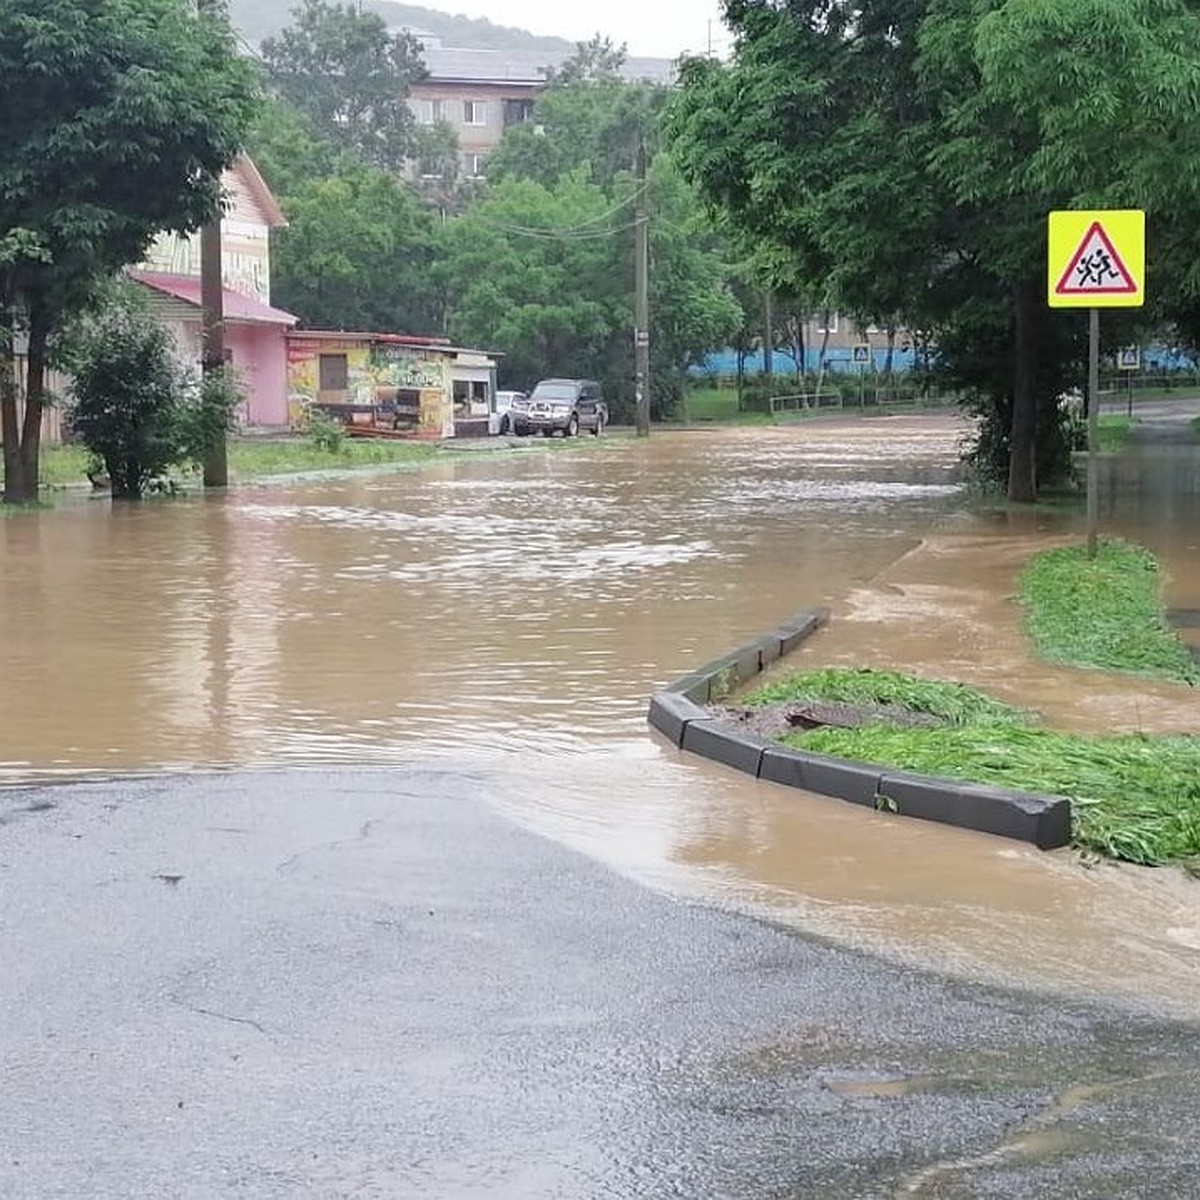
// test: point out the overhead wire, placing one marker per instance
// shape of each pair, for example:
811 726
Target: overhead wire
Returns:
581 232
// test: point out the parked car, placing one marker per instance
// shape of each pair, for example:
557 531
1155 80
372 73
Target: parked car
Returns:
502 406
562 406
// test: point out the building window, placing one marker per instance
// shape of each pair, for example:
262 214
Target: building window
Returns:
334 375
517 112
473 165
829 323
429 112
474 112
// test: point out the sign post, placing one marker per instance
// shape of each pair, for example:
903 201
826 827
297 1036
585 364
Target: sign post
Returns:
1097 260
1129 360
861 355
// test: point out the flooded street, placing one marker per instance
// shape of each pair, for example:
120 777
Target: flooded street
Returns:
512 612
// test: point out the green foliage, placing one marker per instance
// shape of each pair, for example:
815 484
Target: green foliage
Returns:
530 271
541 265
253 458
288 148
342 68
83 94
209 413
1133 797
357 253
117 118
324 431
898 157
587 118
1104 612
129 398
954 703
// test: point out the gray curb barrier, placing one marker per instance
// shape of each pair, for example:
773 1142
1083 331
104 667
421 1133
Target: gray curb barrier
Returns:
679 713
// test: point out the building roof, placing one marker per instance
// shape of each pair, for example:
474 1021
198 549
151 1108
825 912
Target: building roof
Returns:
237 307
528 67
256 185
415 341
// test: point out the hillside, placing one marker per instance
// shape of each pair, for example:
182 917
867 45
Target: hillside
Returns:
257 19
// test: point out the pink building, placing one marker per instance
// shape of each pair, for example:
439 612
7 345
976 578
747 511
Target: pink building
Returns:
255 332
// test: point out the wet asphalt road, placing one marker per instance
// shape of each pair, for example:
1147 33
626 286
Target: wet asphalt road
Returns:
368 984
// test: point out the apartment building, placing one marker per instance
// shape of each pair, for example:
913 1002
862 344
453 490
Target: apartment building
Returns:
481 93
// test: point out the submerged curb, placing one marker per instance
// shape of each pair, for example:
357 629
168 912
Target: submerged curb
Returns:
681 715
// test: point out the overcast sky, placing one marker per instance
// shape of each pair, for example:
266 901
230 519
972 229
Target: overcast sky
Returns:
661 28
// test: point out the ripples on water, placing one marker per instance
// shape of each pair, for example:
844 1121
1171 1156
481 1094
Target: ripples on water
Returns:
512 612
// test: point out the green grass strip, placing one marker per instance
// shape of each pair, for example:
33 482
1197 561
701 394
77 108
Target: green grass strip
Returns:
954 703
1133 797
1104 612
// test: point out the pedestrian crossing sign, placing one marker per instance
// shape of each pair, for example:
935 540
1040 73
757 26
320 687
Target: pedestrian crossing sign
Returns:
1097 258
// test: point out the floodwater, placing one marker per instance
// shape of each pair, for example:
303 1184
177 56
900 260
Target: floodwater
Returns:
510 613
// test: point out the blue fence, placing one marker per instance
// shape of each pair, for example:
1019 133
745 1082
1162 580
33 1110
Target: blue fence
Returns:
841 359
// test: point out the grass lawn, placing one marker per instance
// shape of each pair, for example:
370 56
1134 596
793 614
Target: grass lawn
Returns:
720 405
1133 797
257 458
1104 613
1112 432
249 458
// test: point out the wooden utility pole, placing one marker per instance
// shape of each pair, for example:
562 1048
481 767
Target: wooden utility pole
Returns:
212 306
212 309
641 298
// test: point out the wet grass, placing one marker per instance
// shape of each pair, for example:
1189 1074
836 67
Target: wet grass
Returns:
261 458
1133 797
63 466
1104 613
1112 433
252 458
953 703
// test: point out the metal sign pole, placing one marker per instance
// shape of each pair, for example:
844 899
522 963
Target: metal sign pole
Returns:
1093 499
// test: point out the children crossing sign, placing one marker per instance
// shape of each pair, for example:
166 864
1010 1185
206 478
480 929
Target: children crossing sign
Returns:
1097 258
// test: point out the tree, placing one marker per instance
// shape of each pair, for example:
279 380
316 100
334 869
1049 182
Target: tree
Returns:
530 271
902 156
344 70
597 60
134 406
545 274
357 253
117 118
587 114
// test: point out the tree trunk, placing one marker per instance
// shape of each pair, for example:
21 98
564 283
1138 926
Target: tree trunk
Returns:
1022 464
35 403
821 357
9 431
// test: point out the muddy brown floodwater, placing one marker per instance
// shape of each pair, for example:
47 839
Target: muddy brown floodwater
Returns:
511 613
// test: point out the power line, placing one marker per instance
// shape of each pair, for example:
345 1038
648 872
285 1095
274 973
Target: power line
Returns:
580 232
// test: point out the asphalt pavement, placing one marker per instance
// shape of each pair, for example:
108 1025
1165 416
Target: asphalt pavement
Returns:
369 984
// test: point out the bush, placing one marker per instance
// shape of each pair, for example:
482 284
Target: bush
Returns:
325 432
135 407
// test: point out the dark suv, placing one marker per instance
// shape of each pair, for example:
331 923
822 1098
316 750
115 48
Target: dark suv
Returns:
561 405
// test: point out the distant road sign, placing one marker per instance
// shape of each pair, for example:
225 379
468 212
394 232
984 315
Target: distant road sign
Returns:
862 354
1129 358
1097 258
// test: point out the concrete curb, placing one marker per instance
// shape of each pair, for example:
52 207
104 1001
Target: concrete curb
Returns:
679 713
